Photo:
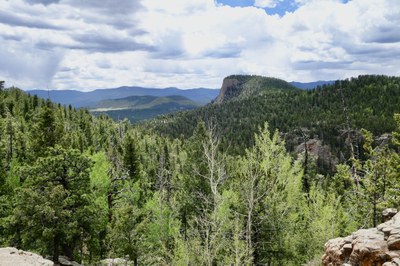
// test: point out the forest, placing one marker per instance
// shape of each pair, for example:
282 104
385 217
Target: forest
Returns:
211 186
369 102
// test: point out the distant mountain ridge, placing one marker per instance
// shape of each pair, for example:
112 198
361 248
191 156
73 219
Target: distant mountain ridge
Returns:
86 99
142 102
199 95
311 85
137 108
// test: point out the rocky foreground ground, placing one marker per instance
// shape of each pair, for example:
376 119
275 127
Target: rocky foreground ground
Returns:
15 257
378 246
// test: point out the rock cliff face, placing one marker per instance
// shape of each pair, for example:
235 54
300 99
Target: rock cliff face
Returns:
319 151
241 86
230 88
378 246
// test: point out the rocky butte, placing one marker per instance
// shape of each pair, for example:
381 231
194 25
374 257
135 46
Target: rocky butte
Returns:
242 86
378 246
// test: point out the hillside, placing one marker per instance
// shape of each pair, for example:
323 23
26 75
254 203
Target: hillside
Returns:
85 99
88 188
137 108
369 101
242 86
311 85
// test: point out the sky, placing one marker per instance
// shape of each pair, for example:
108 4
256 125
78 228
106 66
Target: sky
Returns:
91 44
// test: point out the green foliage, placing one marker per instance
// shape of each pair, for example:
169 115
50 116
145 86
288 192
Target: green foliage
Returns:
89 188
161 232
131 158
99 180
370 102
44 133
125 232
54 201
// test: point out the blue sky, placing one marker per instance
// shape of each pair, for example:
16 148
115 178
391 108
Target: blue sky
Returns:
91 44
281 6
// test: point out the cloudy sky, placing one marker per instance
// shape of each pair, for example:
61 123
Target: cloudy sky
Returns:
90 44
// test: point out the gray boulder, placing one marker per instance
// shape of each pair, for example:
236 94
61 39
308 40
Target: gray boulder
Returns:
15 257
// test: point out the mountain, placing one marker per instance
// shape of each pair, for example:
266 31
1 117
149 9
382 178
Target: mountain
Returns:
137 108
241 86
85 99
311 85
322 114
89 182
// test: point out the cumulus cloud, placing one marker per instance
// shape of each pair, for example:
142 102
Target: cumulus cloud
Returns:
110 7
106 42
24 65
266 3
29 22
192 43
43 2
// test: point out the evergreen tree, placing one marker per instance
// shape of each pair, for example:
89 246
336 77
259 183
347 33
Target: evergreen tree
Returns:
43 132
131 158
393 186
54 202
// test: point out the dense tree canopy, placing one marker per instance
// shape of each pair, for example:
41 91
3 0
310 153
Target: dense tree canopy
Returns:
90 188
325 113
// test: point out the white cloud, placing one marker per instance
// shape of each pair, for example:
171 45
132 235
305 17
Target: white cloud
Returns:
192 43
266 3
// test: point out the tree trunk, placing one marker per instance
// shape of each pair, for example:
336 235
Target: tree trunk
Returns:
110 205
11 142
249 234
168 186
375 211
56 254
256 251
306 182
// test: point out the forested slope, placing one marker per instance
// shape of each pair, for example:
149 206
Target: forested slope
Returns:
89 188
325 113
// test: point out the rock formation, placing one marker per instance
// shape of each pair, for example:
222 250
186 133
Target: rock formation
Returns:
15 257
114 262
230 88
378 246
242 86
319 151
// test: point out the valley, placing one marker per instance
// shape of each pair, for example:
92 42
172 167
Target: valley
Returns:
200 133
266 171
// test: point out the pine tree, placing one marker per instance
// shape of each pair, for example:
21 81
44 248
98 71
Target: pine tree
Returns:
54 201
43 132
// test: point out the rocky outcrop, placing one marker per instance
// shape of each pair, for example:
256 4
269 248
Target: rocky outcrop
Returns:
242 86
115 262
230 88
378 246
15 257
65 261
315 148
